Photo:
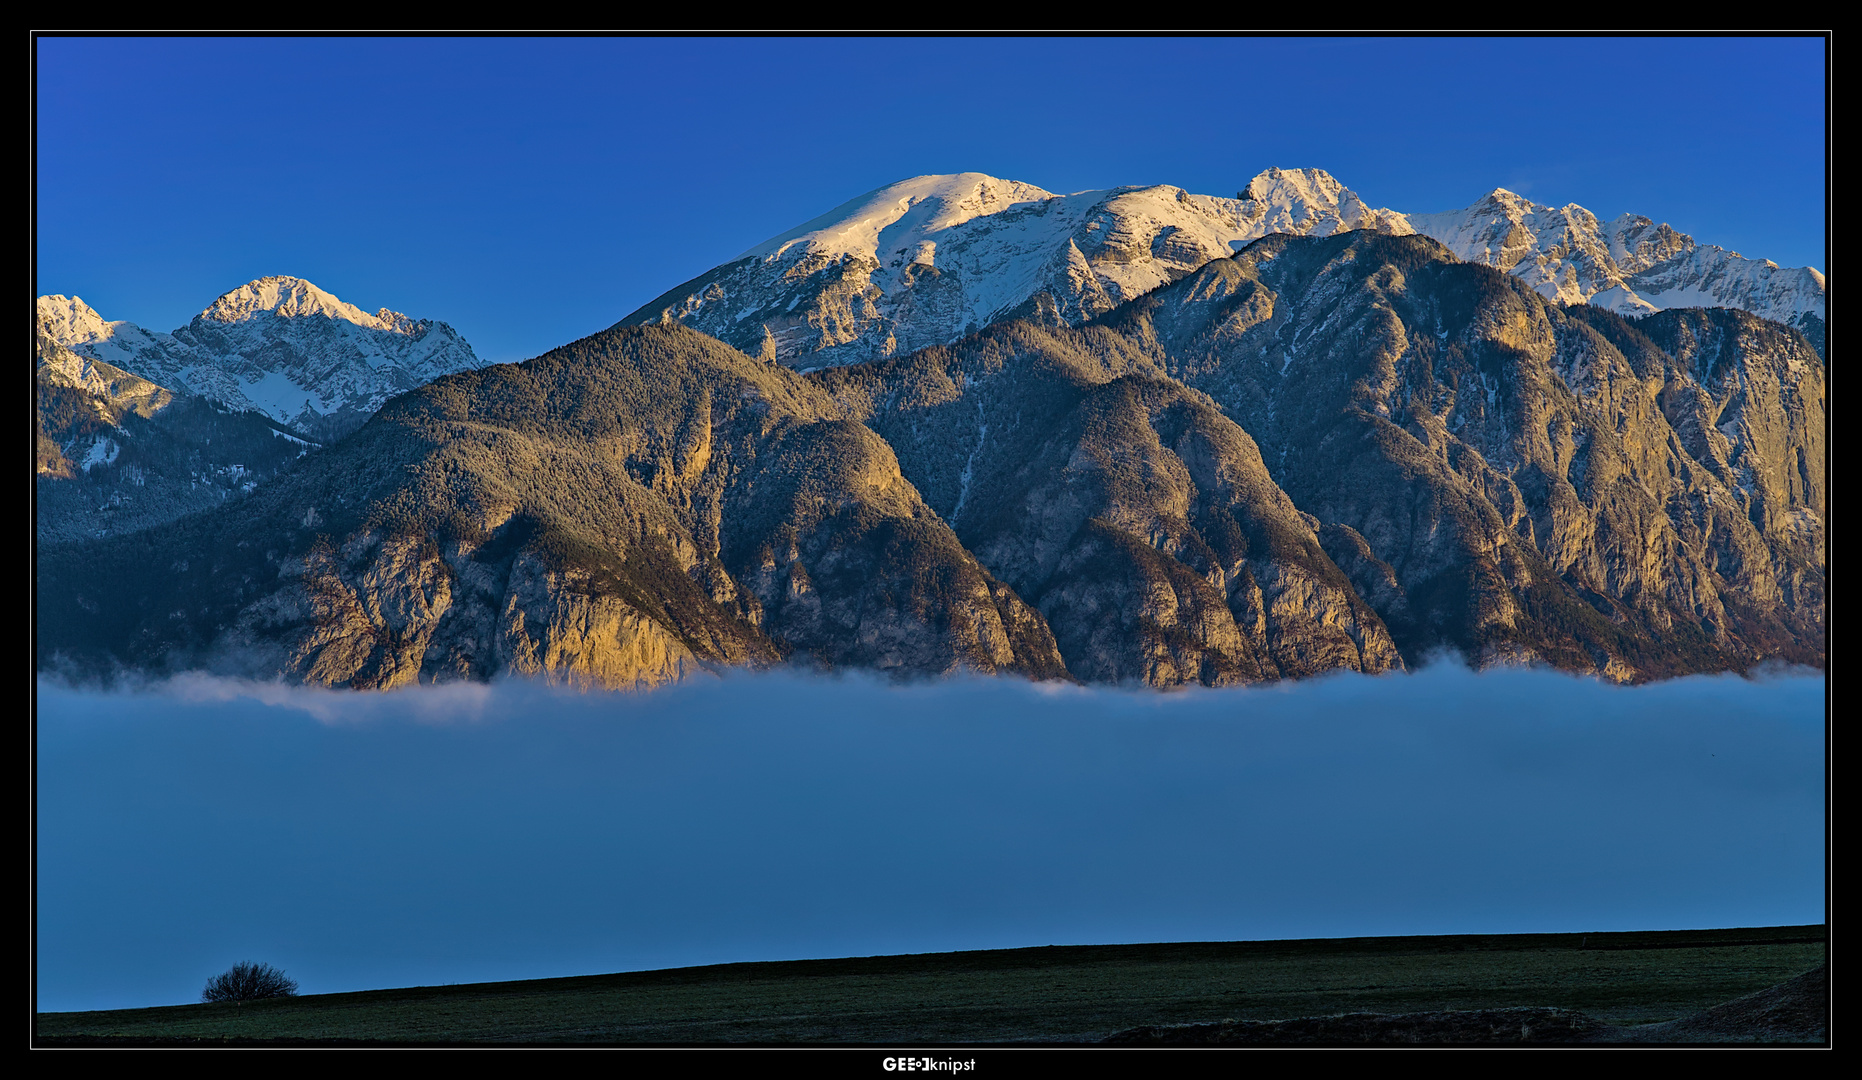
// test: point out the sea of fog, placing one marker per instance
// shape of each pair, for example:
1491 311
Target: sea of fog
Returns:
469 832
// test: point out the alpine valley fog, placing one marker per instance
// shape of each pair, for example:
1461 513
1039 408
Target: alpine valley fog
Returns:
513 830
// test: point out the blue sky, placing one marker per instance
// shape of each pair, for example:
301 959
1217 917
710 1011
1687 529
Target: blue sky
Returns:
531 191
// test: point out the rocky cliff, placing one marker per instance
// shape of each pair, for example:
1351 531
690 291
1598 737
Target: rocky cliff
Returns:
1514 478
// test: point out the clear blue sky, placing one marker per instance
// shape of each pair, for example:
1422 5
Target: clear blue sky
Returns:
531 191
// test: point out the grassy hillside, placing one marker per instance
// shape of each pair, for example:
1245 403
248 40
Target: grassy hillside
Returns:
1061 994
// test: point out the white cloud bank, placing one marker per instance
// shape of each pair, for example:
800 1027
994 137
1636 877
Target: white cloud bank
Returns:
466 833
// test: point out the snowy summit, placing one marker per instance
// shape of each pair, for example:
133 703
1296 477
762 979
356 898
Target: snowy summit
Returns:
930 259
278 345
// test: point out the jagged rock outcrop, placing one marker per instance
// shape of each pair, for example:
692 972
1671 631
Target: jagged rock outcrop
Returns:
387 611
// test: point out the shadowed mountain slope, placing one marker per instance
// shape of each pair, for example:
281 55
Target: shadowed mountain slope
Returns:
114 452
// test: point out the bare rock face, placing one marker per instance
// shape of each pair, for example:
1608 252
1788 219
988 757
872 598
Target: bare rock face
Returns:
365 615
393 611
553 625
1516 480
844 558
1138 519
623 512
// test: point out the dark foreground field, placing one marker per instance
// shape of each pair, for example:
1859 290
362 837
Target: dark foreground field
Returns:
1062 994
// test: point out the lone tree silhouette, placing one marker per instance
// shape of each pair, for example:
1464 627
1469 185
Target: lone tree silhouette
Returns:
249 982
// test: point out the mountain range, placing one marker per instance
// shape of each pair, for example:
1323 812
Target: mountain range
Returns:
928 260
279 346
137 428
1137 436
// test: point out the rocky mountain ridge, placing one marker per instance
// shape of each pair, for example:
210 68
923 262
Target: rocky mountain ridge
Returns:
1346 451
137 428
1629 265
114 452
278 346
928 260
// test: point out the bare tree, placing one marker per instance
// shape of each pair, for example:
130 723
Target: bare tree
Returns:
249 982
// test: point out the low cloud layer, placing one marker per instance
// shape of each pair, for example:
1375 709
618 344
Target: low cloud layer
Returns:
466 833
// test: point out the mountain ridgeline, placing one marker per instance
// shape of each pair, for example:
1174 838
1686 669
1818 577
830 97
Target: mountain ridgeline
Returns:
928 260
1344 452
114 453
134 428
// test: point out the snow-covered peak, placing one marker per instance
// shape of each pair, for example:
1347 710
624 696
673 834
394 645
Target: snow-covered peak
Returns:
1711 276
289 297
398 323
1511 200
1561 251
1311 202
1631 264
77 326
1637 243
69 321
279 345
909 208
1516 206
1283 187
925 260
